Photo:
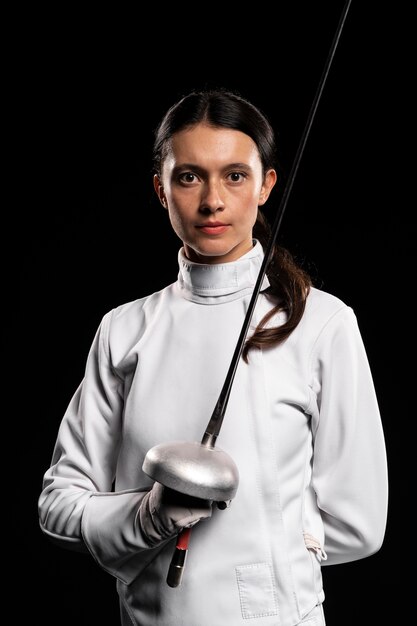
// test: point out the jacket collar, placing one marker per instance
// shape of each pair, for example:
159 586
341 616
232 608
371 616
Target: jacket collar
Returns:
214 284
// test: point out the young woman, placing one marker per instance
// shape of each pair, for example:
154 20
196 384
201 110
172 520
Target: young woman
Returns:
302 423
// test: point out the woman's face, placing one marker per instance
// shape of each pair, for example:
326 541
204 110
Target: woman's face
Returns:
212 184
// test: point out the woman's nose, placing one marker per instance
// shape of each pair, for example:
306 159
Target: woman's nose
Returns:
212 197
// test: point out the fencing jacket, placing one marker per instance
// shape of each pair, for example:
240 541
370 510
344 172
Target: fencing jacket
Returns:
302 425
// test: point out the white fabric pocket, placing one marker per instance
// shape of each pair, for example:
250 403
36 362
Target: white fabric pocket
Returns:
256 590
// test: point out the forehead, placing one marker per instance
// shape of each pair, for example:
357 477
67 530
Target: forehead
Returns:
209 147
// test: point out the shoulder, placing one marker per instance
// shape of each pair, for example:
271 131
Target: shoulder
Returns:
323 303
331 328
135 309
131 318
124 326
325 310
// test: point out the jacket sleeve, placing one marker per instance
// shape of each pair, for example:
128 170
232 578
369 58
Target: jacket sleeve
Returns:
350 466
77 507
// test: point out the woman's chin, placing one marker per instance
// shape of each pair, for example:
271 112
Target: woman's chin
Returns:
216 252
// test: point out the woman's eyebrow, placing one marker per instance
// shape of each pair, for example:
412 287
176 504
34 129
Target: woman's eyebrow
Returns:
182 167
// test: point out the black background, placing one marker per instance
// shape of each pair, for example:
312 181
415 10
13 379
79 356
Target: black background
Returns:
94 235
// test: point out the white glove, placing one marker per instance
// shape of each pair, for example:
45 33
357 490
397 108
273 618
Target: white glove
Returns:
164 512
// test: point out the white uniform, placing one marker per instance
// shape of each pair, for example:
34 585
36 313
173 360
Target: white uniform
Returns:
302 425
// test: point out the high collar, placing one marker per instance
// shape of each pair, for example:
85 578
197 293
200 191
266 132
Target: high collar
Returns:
220 282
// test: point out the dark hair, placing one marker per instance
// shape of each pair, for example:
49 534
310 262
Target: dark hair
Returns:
289 283
222 109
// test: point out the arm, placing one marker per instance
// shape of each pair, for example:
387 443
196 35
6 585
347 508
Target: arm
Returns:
77 507
350 466
77 500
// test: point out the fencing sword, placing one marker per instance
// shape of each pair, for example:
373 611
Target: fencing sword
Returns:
200 469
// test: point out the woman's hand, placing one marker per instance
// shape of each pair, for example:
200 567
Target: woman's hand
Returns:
164 512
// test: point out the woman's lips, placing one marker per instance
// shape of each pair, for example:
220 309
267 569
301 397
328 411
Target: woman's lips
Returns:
215 228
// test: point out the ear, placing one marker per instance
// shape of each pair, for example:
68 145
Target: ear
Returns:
270 179
159 190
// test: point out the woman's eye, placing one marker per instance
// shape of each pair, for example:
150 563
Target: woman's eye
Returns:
236 177
187 177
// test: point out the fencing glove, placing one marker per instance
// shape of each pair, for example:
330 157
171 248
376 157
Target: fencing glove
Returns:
164 512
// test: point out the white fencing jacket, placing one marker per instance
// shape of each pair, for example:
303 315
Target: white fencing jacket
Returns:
302 425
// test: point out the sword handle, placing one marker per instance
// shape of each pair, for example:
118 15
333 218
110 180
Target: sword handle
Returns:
179 556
